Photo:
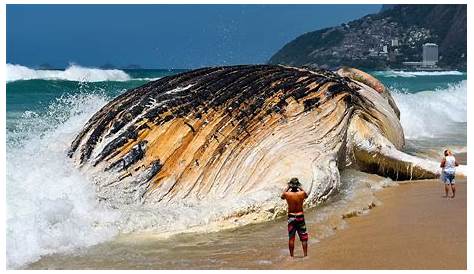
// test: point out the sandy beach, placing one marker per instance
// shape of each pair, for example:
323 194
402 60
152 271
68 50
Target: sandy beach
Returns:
414 228
411 227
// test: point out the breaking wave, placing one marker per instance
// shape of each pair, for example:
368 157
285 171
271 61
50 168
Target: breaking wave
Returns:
433 113
72 73
51 207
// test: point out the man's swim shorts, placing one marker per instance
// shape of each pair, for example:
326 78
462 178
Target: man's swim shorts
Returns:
296 224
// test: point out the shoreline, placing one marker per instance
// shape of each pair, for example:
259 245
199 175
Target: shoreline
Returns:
396 227
411 227
414 228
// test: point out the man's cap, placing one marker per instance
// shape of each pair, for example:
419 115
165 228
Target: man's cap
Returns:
294 182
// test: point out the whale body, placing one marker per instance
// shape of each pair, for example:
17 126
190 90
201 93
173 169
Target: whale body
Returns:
233 136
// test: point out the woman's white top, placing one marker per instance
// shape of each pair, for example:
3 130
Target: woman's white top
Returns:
450 164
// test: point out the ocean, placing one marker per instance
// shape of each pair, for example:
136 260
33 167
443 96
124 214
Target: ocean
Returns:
55 221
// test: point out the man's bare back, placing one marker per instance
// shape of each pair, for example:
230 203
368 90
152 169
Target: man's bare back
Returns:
295 201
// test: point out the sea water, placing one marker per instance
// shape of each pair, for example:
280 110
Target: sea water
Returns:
52 209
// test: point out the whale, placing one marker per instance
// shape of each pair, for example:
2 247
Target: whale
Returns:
229 138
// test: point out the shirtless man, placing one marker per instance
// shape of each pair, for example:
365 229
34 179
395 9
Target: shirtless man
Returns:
294 196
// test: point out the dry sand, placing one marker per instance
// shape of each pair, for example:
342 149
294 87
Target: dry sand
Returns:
414 228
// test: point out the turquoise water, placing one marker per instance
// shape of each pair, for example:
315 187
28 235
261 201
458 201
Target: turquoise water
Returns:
417 81
37 94
55 206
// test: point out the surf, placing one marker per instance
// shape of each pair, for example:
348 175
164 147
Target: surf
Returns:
433 113
410 74
73 72
50 206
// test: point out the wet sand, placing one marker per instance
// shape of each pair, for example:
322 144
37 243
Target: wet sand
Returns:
414 228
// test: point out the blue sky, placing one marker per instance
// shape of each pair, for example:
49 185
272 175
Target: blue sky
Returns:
162 36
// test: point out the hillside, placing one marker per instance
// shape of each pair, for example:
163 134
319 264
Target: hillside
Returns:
386 39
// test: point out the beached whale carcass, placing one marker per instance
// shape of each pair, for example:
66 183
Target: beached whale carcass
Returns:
239 133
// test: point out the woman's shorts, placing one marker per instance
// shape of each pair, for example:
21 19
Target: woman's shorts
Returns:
448 178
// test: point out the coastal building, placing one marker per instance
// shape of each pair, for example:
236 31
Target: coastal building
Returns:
430 54
430 58
395 43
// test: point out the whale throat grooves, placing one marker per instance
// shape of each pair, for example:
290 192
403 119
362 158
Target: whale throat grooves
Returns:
239 133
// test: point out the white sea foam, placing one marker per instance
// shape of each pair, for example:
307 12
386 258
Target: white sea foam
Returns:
72 73
147 79
51 207
431 114
396 73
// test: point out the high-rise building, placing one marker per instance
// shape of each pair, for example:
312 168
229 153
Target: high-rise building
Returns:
430 54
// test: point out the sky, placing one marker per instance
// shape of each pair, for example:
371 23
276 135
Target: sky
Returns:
162 36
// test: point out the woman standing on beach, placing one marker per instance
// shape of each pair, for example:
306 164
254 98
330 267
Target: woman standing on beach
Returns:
448 164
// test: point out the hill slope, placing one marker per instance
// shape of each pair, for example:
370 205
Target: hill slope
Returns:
361 42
